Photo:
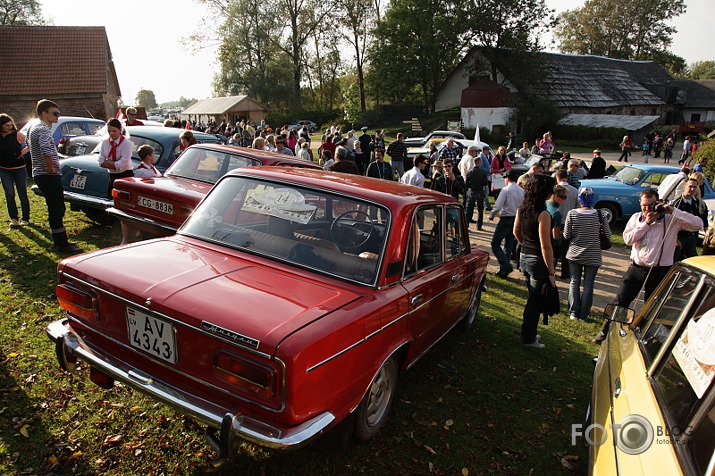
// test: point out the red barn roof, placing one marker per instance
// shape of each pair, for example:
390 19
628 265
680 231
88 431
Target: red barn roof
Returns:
44 61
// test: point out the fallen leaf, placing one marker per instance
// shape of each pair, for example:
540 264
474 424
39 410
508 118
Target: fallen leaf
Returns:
23 431
430 450
53 461
449 422
465 472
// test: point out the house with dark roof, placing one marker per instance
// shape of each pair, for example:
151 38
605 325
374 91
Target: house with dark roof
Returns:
697 102
590 90
70 65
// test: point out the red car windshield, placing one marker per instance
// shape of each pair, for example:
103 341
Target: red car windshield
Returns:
329 233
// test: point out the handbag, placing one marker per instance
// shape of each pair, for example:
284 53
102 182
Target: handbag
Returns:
604 239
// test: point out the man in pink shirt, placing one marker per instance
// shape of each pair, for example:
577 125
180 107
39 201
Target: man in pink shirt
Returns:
653 235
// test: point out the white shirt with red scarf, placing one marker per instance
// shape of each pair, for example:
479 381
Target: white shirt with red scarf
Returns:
119 151
146 170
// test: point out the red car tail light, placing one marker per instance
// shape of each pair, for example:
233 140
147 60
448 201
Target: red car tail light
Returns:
120 194
247 374
78 302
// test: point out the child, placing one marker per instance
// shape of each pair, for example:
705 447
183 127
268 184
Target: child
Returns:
646 151
148 159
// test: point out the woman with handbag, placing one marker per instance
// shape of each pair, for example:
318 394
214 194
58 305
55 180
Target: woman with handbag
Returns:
589 233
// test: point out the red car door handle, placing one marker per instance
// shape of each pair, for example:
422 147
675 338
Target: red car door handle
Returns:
416 300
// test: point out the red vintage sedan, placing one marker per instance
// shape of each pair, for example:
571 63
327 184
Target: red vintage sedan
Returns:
158 206
288 301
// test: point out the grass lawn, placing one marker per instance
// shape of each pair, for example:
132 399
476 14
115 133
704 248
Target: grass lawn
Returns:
477 403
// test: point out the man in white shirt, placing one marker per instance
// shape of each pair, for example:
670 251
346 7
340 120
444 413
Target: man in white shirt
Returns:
669 188
414 176
466 164
508 202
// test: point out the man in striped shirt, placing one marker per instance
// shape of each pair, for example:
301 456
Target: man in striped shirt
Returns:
46 173
397 151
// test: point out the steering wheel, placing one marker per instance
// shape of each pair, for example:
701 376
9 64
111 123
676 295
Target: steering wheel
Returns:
349 232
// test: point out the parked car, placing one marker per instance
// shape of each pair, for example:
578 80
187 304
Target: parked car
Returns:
158 206
618 195
86 184
67 127
653 399
80 145
312 126
288 301
462 145
434 136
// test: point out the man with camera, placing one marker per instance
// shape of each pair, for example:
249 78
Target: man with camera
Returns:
653 235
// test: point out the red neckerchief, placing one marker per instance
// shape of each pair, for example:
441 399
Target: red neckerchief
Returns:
113 152
148 166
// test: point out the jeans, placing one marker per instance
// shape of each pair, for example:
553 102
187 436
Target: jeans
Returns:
580 303
470 198
399 167
51 187
487 189
504 232
11 179
535 275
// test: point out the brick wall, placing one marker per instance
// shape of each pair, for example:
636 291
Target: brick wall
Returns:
98 106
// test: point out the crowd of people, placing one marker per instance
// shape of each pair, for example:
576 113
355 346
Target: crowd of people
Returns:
545 219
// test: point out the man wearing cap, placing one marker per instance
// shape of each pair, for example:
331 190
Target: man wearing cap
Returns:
466 164
365 140
598 166
508 202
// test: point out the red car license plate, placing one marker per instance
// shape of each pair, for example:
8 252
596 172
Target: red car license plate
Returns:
155 205
154 336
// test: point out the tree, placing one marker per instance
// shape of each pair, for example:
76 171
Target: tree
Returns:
21 12
701 70
354 30
146 98
416 44
634 30
506 29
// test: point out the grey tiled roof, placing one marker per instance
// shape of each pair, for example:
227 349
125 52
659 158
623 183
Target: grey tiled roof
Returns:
630 123
598 82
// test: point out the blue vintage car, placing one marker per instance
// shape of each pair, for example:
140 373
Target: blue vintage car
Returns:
618 195
86 184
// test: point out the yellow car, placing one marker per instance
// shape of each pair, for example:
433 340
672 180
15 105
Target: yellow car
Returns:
652 410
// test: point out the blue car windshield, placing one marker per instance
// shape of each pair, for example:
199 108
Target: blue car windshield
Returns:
629 175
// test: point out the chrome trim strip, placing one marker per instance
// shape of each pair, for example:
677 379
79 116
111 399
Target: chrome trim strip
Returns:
374 333
171 368
243 426
147 222
87 200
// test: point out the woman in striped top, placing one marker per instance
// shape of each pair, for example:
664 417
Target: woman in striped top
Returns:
584 252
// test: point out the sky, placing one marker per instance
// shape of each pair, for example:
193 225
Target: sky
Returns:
146 34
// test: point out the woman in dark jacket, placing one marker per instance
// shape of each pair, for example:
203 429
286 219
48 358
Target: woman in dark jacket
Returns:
532 229
13 171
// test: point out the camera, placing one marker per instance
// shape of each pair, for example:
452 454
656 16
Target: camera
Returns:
658 206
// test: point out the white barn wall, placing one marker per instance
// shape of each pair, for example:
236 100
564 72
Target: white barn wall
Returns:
485 117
